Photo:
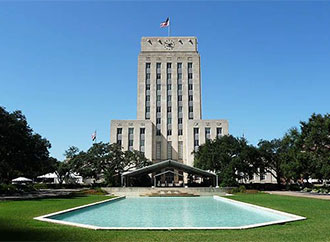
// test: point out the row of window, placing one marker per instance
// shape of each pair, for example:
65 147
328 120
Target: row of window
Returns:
169 150
179 81
169 98
158 98
131 138
169 94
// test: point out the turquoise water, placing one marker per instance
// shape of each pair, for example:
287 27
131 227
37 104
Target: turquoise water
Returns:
169 212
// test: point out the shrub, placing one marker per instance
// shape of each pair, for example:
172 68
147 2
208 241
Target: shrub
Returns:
39 186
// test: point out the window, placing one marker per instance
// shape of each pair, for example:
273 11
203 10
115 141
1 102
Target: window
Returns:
157 120
159 86
180 150
191 109
158 150
179 120
179 86
180 109
158 76
169 97
169 109
207 134
158 98
190 86
190 98
180 132
147 109
158 132
142 139
179 98
169 150
148 86
169 132
158 109
119 136
219 133
147 98
169 86
130 138
196 139
169 120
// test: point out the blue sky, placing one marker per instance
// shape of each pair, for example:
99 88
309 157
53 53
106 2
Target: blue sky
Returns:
71 66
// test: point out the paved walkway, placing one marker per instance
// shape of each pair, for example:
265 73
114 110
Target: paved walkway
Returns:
42 193
300 194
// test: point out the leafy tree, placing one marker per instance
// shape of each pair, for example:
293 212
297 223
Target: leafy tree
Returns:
107 161
71 152
232 158
22 152
315 145
270 156
63 171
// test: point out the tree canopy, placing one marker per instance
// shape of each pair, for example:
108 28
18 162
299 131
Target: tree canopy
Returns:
22 151
232 158
104 160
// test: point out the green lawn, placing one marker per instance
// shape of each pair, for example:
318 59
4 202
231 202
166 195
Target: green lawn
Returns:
16 223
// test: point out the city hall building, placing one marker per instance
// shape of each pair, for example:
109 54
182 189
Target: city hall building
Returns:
169 124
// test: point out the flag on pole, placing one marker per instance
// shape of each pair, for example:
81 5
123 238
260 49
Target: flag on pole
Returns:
165 23
94 136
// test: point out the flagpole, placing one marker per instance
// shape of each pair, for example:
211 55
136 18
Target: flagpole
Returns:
169 27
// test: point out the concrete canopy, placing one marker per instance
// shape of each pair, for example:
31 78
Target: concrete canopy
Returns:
169 164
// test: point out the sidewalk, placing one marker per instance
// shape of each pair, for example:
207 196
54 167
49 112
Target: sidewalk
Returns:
300 194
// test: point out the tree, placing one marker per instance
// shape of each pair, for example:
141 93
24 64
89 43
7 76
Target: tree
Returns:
63 170
232 158
270 156
22 152
108 161
71 152
315 145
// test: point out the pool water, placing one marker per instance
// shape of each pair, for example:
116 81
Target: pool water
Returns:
170 212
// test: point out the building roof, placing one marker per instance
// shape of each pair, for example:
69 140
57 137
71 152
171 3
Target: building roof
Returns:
167 164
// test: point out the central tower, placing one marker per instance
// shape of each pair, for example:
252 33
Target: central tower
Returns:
169 123
169 91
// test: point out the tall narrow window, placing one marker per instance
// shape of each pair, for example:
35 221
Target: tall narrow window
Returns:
169 150
207 134
169 98
147 91
196 139
219 133
130 138
179 80
158 150
158 98
190 92
180 150
119 136
142 139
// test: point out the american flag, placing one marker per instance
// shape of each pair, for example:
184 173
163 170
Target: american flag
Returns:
165 23
94 136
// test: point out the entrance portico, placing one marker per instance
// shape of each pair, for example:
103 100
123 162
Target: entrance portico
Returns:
169 173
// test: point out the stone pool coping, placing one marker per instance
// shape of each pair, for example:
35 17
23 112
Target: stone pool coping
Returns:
292 217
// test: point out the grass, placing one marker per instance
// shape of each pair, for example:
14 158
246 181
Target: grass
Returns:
16 223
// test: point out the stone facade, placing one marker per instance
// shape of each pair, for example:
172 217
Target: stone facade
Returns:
168 103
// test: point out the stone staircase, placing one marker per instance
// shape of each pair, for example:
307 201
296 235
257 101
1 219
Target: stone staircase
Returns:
169 193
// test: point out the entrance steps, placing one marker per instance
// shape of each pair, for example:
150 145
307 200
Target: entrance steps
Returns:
169 193
164 191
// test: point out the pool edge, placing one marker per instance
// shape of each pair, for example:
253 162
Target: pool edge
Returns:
293 218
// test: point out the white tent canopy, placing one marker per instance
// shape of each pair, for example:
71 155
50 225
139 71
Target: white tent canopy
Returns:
21 179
